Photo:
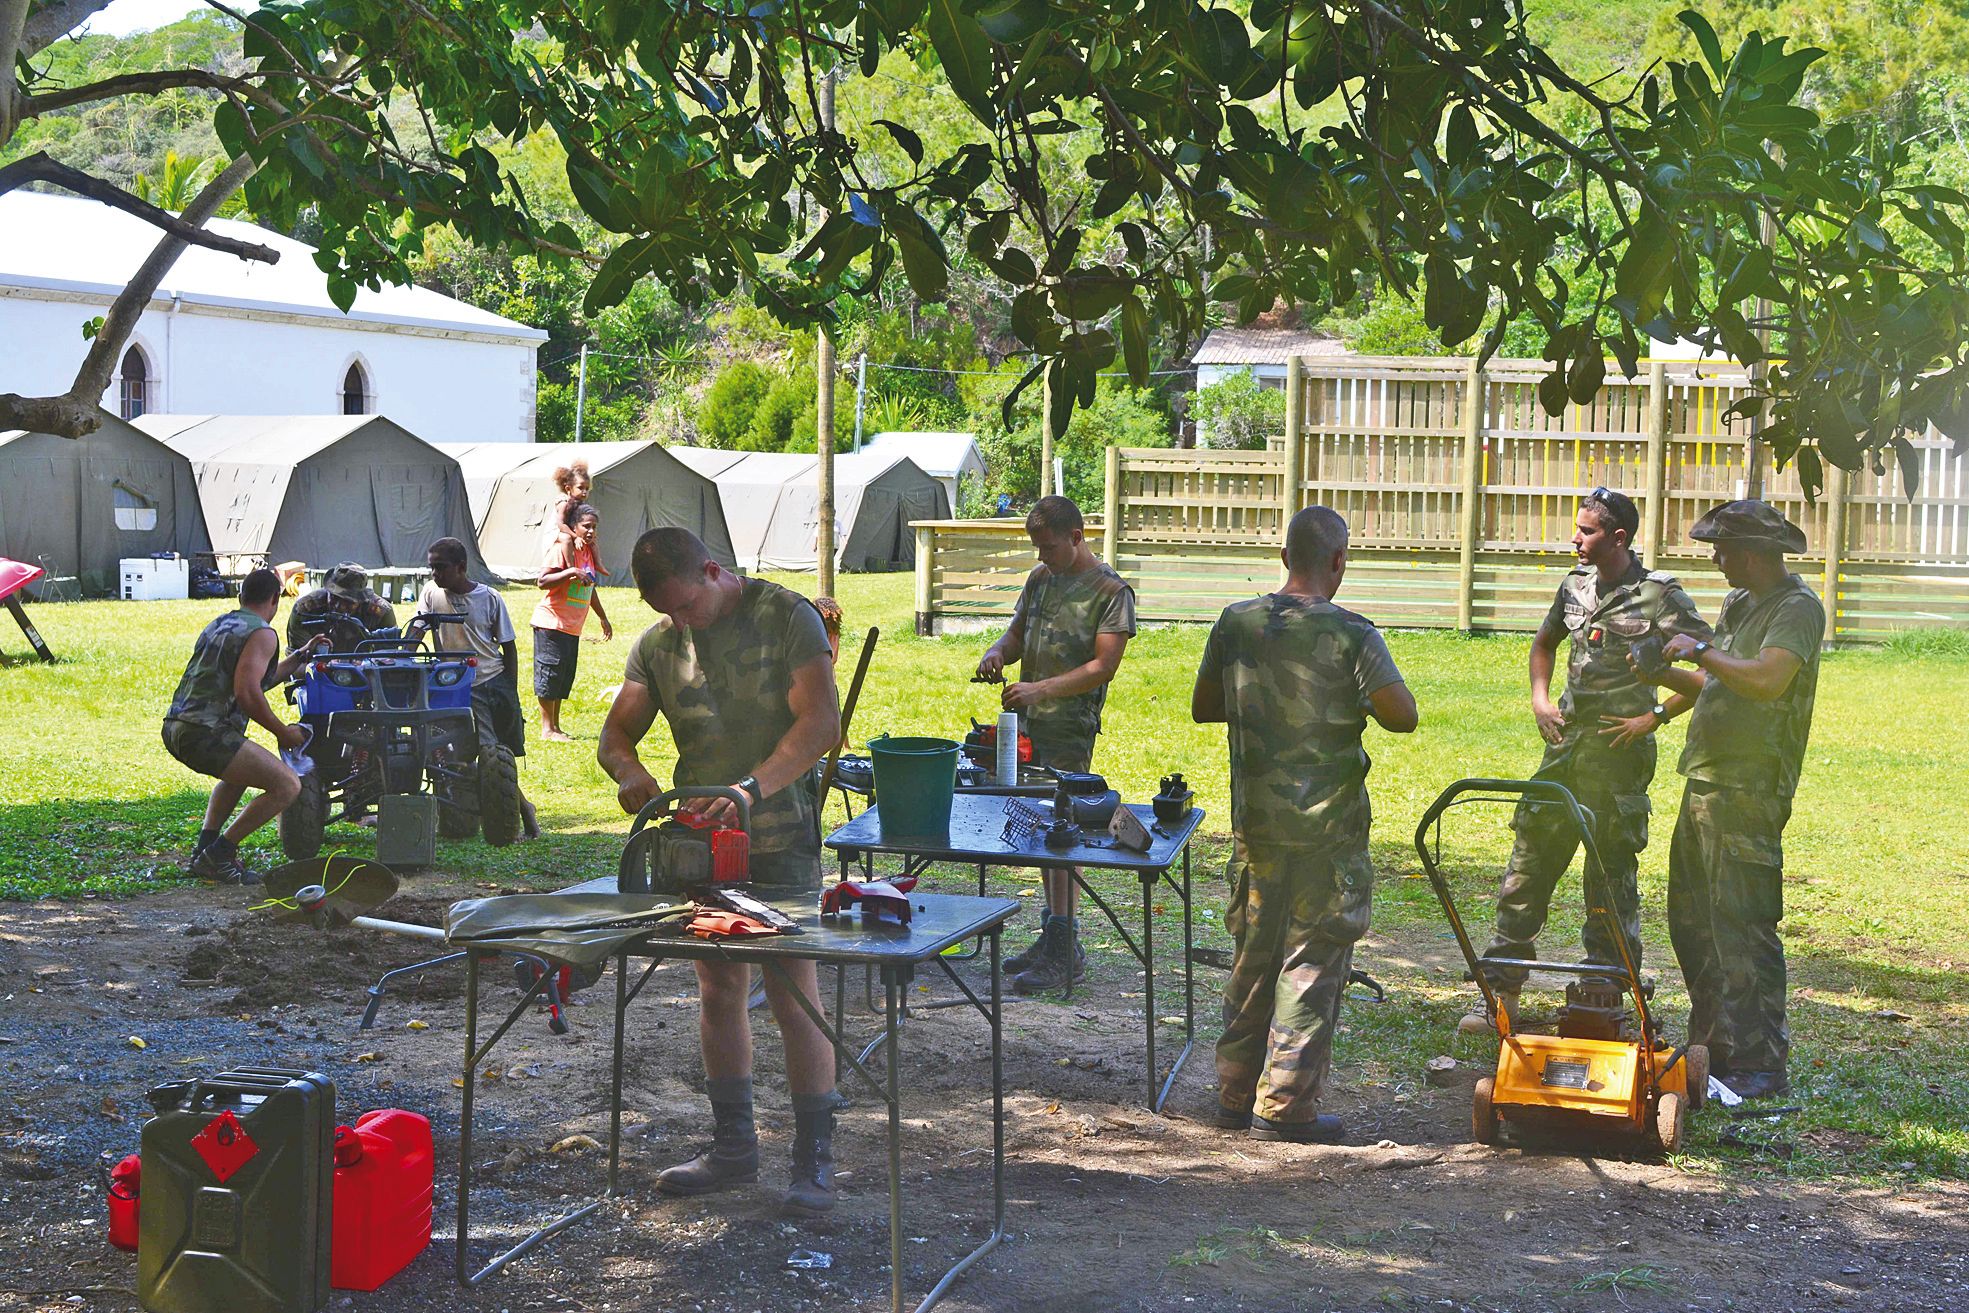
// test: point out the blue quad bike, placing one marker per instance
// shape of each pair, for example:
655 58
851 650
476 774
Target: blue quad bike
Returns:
390 717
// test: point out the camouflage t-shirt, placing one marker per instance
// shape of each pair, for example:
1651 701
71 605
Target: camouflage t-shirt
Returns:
344 631
1296 676
1759 745
1062 614
1602 627
204 695
723 688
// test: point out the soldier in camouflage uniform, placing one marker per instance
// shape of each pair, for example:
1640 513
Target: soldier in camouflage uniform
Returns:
1752 690
741 671
224 685
347 605
1295 677
1600 742
1069 631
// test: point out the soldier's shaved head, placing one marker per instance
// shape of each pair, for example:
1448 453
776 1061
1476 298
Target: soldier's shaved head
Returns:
259 588
1312 538
1055 514
665 554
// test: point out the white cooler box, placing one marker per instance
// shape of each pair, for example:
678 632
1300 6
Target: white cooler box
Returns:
148 580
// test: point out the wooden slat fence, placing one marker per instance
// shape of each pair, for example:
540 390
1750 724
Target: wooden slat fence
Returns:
1462 516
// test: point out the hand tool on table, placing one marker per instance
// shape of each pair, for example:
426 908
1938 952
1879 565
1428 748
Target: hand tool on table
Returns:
688 855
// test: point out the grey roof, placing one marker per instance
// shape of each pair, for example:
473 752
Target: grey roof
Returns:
1263 346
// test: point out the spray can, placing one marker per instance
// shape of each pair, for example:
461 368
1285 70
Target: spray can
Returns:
1008 747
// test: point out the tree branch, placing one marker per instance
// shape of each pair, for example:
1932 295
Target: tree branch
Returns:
39 167
55 20
130 84
75 412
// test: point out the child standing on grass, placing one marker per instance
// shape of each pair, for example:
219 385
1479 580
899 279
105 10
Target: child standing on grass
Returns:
568 578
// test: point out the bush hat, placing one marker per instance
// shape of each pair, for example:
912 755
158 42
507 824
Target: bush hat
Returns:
1757 523
347 581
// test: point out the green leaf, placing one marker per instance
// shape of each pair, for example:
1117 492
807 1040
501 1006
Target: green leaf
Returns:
924 261
1588 372
617 274
1010 22
965 53
1705 35
912 145
1135 339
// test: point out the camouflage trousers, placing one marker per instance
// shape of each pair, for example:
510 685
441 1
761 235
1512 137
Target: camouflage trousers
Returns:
1295 914
1612 783
1725 898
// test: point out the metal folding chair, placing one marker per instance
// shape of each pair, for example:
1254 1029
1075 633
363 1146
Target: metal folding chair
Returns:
53 585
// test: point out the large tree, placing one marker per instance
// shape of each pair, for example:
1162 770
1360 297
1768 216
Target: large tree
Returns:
1309 147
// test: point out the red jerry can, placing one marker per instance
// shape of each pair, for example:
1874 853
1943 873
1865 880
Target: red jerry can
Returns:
124 1181
383 1168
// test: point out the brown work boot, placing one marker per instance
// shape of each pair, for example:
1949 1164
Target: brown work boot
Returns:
1323 1129
1060 963
732 1157
811 1189
1478 1020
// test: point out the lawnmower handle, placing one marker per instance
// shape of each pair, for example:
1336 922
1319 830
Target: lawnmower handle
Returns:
659 806
1537 790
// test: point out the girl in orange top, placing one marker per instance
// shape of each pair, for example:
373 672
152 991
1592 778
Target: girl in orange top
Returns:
568 579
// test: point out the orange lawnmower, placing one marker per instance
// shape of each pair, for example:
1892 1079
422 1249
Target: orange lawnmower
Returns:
1603 1069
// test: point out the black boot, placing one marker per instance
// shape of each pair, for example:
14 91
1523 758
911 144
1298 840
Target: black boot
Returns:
732 1157
1061 960
812 1187
1025 957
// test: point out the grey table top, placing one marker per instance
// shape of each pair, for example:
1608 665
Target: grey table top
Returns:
976 834
937 922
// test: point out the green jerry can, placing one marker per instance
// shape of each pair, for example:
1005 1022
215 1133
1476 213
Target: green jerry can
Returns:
239 1180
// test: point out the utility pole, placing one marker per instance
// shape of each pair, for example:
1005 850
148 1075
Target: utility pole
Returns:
824 368
861 394
580 391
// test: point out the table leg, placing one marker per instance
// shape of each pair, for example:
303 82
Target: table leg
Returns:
1148 978
892 987
465 1117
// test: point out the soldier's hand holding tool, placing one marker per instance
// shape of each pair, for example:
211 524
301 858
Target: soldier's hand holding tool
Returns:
1680 647
1022 696
636 789
1551 721
991 667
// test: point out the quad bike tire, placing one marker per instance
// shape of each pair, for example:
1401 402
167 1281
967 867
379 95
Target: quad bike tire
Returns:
460 821
1697 1061
499 795
1483 1114
1672 1122
301 825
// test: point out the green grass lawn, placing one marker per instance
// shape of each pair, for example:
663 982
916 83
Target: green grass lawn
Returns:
1877 887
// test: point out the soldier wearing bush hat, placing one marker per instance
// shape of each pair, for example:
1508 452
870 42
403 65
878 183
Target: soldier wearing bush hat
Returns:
346 601
1752 689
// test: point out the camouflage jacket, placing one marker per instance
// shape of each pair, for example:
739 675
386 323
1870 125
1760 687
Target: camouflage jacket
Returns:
344 631
723 690
1759 745
1601 630
1296 676
204 695
1061 615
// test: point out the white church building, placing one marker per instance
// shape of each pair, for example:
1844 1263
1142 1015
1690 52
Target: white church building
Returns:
225 336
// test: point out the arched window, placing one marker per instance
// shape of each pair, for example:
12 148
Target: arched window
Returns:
355 391
133 387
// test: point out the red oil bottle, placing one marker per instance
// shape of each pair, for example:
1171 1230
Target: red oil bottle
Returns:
124 1182
383 1167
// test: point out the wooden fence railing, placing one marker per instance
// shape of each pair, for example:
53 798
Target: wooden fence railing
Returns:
1462 514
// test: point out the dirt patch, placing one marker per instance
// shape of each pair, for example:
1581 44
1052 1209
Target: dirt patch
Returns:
1109 1206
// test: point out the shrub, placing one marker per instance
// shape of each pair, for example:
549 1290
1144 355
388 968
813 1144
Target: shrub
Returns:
1238 414
725 416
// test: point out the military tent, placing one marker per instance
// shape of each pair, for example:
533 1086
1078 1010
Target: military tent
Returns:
948 458
84 504
321 488
637 486
772 505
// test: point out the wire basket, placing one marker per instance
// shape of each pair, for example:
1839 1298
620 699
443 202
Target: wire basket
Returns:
1024 822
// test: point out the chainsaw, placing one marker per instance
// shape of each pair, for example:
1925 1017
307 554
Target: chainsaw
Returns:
689 855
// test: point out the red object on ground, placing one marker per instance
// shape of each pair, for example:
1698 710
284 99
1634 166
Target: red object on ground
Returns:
383 1168
16 575
124 1181
731 847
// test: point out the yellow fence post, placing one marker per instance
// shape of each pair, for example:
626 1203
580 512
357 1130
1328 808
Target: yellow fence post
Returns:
926 550
1835 547
1472 522
1656 522
1295 436
1111 511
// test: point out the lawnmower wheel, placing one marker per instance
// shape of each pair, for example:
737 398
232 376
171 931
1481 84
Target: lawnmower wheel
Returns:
1671 1121
304 820
1696 1060
1483 1116
499 795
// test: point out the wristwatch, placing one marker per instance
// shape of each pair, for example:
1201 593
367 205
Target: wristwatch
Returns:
1696 656
750 784
1660 713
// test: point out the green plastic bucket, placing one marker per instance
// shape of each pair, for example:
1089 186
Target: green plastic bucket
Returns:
915 779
